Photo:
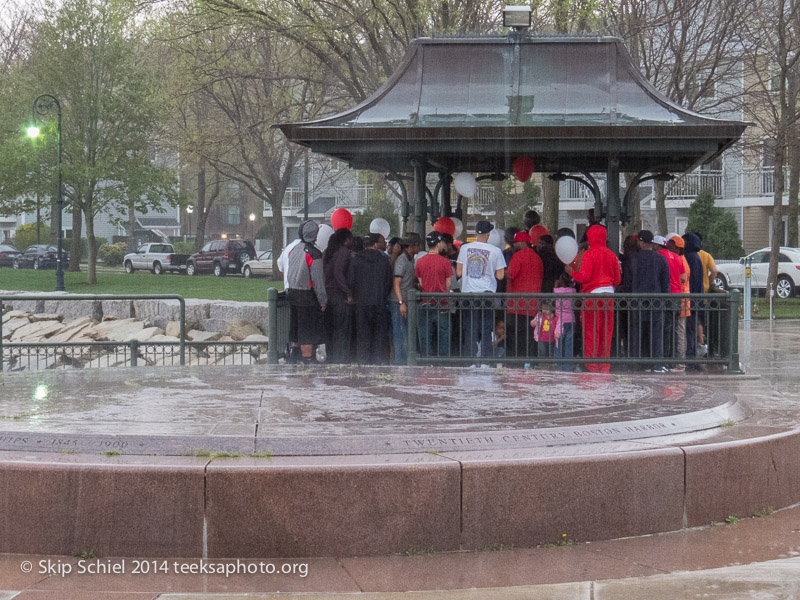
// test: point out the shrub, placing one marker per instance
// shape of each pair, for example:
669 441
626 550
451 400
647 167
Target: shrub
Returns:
112 254
717 226
25 235
182 247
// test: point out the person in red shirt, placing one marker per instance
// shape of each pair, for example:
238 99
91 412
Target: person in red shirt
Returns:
524 274
598 274
434 273
678 273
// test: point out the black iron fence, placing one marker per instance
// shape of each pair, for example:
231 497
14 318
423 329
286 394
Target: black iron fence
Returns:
133 353
648 331
657 331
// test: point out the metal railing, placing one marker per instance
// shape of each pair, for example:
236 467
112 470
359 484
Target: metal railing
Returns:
636 330
689 185
133 353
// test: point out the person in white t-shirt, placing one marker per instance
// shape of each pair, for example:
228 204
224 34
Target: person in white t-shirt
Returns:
479 267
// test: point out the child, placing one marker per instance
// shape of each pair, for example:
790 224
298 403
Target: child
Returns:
546 330
499 338
566 319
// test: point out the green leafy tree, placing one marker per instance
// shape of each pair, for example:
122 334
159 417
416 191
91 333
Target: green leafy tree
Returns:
92 56
25 235
717 226
378 207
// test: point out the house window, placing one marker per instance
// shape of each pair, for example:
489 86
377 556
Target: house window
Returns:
232 214
767 155
680 225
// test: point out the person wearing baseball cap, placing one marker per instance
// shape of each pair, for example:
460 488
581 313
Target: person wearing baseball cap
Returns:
479 266
650 277
524 275
678 272
434 273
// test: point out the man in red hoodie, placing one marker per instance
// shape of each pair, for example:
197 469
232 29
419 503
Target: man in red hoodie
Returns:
598 274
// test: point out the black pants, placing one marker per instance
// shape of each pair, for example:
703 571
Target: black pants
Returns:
339 317
372 335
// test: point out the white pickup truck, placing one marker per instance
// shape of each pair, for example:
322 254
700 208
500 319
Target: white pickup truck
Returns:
156 258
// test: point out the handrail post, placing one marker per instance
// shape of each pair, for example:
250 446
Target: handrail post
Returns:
272 333
182 302
134 353
733 334
411 322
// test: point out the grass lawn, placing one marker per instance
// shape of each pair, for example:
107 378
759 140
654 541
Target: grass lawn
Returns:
782 309
207 287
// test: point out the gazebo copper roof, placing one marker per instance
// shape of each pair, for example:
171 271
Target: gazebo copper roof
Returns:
475 104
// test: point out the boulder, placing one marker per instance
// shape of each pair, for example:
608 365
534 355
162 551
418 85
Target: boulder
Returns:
239 329
212 325
120 309
173 328
144 335
254 312
45 317
14 314
257 338
34 332
203 336
72 330
12 325
73 309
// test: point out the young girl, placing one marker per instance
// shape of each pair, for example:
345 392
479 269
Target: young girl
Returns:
566 319
546 330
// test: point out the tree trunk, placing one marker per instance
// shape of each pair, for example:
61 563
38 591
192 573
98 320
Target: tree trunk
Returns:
777 212
793 212
75 243
550 203
661 207
92 278
53 222
635 222
200 209
131 227
500 205
276 202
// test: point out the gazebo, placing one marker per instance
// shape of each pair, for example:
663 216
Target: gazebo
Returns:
573 104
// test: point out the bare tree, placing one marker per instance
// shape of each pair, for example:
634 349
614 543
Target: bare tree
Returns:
771 55
688 49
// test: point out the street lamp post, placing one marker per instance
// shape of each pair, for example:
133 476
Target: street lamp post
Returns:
253 226
41 106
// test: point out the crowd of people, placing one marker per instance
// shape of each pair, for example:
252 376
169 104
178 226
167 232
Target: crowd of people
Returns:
354 297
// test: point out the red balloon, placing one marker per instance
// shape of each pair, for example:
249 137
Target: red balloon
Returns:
341 217
445 225
523 168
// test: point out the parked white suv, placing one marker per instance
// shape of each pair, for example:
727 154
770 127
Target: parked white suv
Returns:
732 275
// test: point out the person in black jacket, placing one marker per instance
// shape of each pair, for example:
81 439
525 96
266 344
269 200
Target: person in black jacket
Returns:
692 245
339 316
370 278
650 276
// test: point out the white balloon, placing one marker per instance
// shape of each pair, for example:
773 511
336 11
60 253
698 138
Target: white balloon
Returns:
465 184
381 226
496 238
566 249
323 236
459 227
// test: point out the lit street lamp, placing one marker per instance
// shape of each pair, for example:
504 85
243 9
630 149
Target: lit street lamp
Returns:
41 106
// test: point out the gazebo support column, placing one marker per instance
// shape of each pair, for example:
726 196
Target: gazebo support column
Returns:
612 203
420 196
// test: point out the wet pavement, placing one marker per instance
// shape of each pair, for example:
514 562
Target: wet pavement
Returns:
288 410
751 558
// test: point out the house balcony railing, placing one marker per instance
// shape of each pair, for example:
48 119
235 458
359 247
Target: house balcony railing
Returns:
689 185
759 182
